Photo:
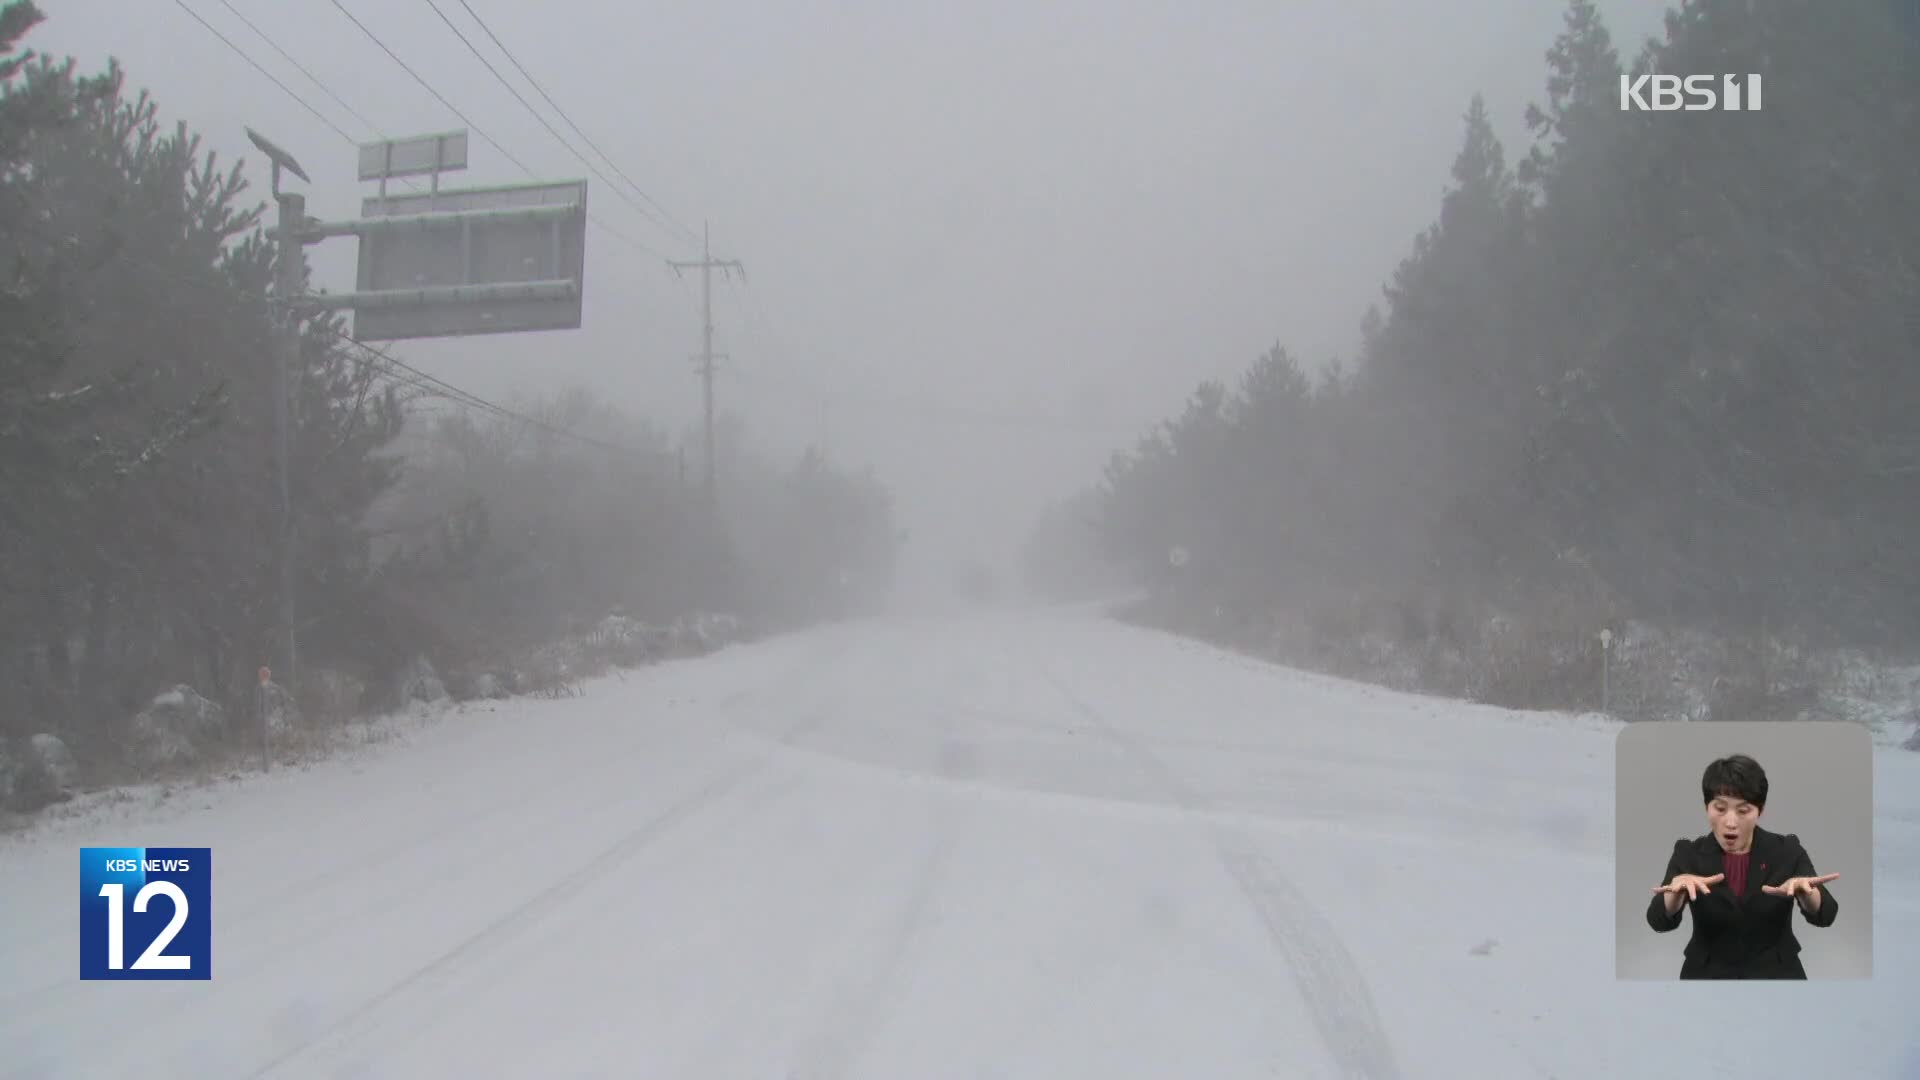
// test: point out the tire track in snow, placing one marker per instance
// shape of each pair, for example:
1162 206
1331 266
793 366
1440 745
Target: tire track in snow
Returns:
359 1045
516 920
863 1010
1325 974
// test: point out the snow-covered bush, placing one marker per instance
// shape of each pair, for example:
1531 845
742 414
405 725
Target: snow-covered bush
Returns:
35 772
177 727
419 681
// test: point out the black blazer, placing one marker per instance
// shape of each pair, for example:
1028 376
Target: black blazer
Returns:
1749 937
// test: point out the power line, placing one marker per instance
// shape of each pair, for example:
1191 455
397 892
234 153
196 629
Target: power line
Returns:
242 53
475 401
517 96
395 57
402 372
623 237
535 83
256 66
490 140
311 77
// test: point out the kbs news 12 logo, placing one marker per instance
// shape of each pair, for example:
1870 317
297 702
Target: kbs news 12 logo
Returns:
1694 93
146 913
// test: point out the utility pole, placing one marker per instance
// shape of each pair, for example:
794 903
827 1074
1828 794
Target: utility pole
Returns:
290 283
707 264
293 213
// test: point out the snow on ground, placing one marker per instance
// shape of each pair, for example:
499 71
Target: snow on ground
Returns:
1004 845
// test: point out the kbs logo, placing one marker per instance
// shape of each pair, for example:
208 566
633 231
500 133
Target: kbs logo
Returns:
1670 93
146 913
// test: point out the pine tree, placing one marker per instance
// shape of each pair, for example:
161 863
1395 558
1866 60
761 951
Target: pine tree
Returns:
1582 113
134 389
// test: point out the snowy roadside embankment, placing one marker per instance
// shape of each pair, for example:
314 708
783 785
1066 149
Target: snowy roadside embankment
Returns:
183 738
1652 673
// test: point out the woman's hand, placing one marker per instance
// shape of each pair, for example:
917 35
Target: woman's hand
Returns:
1692 885
1804 889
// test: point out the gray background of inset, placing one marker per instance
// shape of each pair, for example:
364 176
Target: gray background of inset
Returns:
1820 777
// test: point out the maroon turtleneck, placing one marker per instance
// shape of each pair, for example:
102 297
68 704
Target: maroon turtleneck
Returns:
1736 870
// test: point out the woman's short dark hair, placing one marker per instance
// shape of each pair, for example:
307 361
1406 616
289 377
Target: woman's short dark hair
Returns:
1739 776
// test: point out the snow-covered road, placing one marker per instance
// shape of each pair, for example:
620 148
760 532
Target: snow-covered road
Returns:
1001 845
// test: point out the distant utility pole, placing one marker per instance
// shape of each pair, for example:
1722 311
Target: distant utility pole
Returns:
706 265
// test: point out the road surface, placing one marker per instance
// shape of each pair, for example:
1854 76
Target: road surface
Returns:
1007 845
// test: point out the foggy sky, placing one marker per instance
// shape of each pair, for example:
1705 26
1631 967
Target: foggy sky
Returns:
988 243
